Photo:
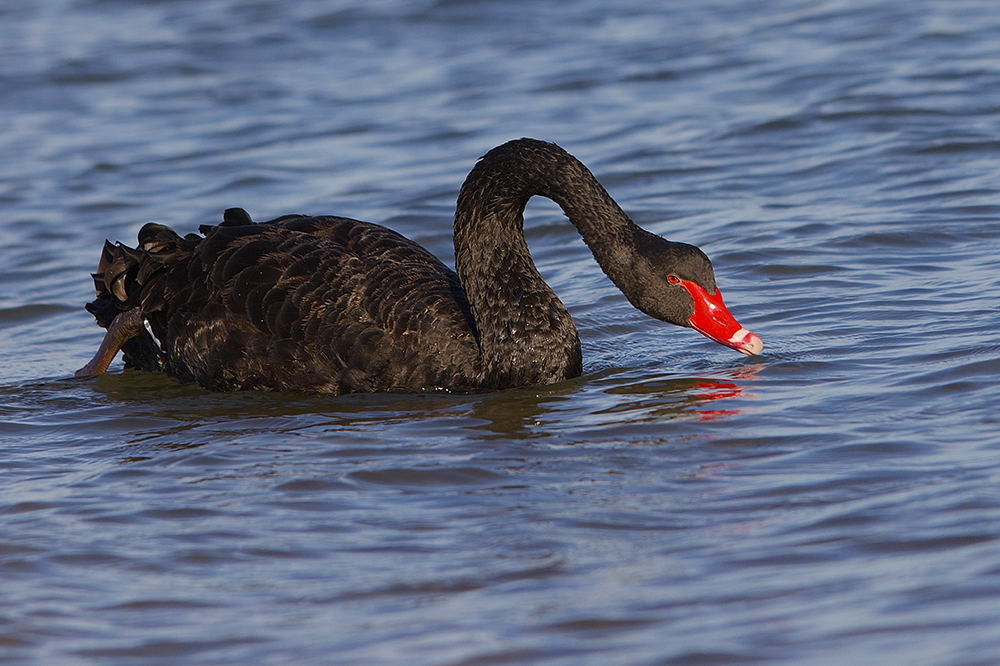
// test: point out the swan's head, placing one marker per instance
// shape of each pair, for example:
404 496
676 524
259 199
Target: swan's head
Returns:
675 283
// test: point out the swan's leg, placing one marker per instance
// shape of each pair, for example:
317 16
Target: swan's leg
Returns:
125 326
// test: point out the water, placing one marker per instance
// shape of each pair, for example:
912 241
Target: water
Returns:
832 501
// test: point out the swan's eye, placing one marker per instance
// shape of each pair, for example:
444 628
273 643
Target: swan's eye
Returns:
673 279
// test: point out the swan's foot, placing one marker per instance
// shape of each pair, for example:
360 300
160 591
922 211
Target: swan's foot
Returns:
125 326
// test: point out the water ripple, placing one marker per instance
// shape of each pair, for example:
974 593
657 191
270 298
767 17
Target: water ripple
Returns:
832 500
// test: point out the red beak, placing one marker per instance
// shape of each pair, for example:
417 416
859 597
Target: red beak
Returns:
712 319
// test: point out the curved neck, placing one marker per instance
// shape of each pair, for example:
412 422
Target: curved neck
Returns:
526 333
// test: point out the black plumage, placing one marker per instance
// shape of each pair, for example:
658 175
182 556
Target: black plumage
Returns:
336 305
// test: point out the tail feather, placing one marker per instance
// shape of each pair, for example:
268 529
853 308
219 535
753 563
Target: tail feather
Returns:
129 278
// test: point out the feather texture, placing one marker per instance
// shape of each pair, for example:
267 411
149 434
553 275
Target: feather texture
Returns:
338 305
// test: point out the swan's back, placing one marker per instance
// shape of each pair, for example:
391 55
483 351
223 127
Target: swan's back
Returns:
298 303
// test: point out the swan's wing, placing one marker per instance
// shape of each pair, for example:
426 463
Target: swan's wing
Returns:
327 304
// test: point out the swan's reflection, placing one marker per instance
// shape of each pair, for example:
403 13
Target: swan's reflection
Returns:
610 400
597 406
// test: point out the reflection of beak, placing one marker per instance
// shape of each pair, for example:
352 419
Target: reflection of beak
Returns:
712 319
717 390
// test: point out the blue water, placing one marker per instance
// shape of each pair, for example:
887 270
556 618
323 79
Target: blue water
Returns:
833 501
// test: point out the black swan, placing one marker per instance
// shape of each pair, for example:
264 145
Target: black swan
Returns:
335 305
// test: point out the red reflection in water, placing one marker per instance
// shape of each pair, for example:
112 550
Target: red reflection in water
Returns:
711 390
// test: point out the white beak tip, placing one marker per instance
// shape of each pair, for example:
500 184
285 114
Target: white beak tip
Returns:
746 342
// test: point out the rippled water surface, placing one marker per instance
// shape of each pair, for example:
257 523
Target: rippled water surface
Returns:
833 501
